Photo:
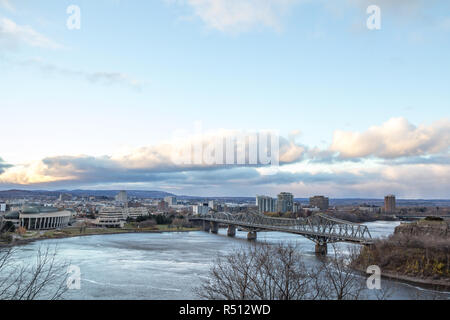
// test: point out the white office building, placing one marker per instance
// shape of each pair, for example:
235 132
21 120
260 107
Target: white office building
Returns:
135 213
200 209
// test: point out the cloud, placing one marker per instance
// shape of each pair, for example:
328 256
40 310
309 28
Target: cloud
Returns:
101 77
235 16
148 163
290 151
240 15
409 180
393 139
14 34
433 159
414 163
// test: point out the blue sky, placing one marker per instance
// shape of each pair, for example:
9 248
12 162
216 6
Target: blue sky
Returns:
137 71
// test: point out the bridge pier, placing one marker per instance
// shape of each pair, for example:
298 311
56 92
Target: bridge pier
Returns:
321 249
206 226
214 227
231 230
251 235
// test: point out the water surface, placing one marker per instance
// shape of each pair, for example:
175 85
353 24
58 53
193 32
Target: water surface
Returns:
170 265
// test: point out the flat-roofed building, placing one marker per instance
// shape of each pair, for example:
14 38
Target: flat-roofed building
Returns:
137 212
320 202
109 222
265 204
200 209
116 212
39 218
389 204
111 217
285 202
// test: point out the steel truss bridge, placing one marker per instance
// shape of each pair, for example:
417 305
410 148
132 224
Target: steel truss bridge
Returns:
319 228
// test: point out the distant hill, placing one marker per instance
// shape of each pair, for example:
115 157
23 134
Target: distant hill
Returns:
154 194
82 193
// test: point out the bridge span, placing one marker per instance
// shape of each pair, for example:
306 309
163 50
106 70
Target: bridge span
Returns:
319 228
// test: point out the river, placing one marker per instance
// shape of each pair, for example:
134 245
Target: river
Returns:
169 265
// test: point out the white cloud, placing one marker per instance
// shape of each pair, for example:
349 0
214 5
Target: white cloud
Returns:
240 15
393 139
15 34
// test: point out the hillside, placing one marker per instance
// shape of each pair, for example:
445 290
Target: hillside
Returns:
417 252
81 193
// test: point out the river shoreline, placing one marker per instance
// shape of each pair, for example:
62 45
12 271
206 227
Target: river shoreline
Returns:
429 284
21 242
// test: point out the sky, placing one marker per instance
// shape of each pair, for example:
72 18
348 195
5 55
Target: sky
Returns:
359 112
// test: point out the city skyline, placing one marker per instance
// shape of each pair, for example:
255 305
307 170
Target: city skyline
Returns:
361 113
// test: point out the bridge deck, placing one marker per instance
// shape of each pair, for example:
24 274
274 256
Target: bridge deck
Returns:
319 228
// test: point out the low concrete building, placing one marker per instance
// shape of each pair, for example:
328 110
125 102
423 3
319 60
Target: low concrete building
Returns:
106 221
135 213
39 218
113 212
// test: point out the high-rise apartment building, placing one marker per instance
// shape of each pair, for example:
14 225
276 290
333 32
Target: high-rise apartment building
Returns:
265 204
285 202
389 204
